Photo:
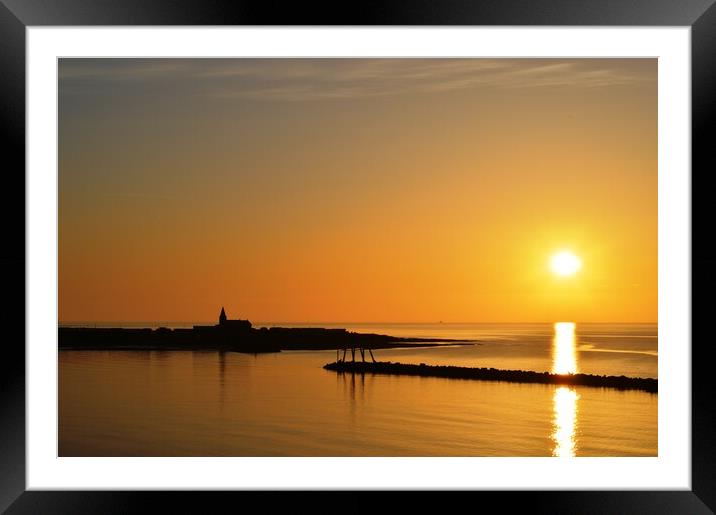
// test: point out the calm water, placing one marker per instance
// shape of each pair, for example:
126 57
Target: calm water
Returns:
121 403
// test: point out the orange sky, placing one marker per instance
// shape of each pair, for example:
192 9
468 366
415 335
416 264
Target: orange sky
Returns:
348 190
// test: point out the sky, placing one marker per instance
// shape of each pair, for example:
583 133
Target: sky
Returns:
357 190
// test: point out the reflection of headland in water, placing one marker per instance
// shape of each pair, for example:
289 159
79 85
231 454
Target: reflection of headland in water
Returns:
232 335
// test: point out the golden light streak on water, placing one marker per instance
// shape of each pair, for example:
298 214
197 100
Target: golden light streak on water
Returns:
564 361
564 349
565 422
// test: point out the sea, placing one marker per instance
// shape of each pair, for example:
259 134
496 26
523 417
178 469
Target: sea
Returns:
207 403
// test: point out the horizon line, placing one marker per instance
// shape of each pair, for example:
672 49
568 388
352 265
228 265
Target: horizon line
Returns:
74 322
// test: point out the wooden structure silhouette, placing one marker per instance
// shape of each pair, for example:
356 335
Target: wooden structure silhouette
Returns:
353 347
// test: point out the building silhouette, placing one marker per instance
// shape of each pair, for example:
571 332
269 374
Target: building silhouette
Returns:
232 325
226 331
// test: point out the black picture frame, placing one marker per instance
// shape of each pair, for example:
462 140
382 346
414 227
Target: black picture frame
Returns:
17 15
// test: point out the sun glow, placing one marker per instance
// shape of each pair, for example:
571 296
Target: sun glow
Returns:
565 263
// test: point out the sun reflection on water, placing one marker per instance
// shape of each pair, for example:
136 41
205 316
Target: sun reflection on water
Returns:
565 422
564 361
564 353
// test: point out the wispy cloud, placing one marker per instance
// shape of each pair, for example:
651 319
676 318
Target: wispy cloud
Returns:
310 79
118 69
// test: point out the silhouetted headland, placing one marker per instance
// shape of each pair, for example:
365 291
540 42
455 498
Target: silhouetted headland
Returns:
493 374
233 335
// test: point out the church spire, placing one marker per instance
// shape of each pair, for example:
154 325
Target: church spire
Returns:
222 316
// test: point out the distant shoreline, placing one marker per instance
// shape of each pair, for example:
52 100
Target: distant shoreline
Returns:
235 339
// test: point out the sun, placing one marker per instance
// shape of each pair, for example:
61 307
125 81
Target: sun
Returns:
565 263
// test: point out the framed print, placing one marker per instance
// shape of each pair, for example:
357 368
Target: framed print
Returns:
445 249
